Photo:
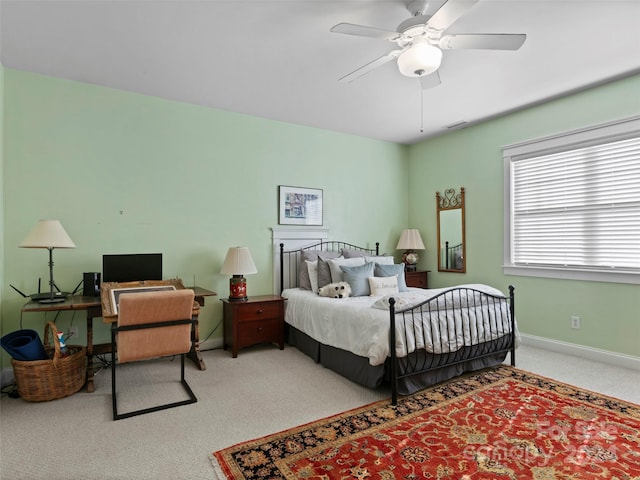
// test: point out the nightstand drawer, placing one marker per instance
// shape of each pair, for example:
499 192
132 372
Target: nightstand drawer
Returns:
258 311
266 331
417 279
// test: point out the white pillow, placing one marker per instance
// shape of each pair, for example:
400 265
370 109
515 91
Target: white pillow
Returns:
336 263
380 260
383 285
312 268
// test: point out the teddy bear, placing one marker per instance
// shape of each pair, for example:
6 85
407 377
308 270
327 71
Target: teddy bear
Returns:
335 290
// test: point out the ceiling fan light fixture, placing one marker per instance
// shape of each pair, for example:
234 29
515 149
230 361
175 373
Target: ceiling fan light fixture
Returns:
419 60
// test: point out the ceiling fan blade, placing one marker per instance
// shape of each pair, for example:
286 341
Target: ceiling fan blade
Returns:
430 81
489 41
449 13
378 62
363 31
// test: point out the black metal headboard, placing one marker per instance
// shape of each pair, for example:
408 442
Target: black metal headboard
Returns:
290 259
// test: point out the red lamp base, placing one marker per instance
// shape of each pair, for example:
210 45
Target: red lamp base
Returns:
237 288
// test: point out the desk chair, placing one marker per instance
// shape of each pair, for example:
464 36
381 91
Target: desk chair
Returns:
151 325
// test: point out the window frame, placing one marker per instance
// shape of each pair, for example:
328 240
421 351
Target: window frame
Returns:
575 139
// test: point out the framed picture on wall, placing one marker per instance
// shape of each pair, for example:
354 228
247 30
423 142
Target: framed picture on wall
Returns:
299 206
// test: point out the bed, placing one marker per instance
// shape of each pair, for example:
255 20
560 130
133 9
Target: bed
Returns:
437 333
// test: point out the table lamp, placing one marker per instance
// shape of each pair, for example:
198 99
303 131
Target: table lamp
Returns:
410 241
49 234
238 263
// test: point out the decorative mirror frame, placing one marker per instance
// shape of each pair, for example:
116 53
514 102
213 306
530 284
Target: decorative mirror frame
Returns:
448 202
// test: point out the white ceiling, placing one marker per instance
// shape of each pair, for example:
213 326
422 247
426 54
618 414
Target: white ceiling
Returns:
277 59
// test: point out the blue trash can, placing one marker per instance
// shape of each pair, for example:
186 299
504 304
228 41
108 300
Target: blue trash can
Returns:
24 345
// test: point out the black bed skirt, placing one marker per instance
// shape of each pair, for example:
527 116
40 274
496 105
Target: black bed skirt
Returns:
358 369
345 363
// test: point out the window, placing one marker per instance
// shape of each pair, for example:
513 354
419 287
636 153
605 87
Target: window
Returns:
572 204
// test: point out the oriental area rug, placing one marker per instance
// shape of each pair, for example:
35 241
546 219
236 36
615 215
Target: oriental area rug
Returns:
501 423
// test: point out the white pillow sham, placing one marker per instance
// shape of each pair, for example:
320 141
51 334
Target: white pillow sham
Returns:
380 260
383 285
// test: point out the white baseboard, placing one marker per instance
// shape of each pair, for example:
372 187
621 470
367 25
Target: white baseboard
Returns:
210 344
604 356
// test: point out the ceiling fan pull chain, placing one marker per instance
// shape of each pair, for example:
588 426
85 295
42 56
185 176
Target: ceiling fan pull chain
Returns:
421 110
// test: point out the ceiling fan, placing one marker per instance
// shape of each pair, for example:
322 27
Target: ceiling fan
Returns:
420 40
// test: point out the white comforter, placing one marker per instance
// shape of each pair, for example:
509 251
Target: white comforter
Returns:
361 324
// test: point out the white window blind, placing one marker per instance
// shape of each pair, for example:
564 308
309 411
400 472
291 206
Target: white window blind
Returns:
579 208
574 203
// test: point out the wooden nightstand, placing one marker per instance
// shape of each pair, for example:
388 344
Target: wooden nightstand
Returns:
255 320
417 279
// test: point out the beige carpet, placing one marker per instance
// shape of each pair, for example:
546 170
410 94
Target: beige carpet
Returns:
264 390
261 391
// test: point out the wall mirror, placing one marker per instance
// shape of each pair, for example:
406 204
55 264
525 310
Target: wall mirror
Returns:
451 240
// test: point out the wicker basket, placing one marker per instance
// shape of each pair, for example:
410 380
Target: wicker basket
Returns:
43 380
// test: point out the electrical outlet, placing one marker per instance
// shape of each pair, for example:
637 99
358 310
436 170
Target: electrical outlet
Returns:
575 322
73 330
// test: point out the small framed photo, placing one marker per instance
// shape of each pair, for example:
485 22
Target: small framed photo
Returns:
299 206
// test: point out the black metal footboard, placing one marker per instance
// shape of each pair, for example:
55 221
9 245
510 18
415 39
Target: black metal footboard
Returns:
454 327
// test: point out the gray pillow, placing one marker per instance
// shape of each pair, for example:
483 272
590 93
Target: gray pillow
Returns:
324 271
351 253
358 278
303 272
390 271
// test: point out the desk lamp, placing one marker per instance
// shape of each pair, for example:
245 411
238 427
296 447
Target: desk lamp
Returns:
49 234
238 263
410 241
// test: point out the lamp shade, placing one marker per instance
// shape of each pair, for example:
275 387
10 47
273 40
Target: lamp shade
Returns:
419 60
48 234
410 240
238 262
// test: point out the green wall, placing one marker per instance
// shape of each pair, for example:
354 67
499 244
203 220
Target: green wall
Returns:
127 173
472 158
1 191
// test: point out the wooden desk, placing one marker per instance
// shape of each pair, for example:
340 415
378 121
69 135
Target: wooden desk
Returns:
93 307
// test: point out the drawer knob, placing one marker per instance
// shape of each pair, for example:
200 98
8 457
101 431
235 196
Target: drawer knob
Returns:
259 329
260 310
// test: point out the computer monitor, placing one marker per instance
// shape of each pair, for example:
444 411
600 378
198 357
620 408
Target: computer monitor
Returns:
131 267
